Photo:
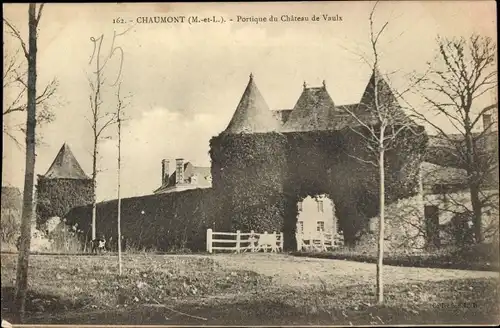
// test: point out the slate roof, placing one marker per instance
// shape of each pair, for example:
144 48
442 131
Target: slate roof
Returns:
385 96
201 173
253 114
433 174
314 110
11 198
65 166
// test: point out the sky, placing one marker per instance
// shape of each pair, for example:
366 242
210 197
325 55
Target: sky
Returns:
184 81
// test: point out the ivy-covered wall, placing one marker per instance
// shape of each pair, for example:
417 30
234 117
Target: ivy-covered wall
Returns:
260 177
55 197
159 222
248 174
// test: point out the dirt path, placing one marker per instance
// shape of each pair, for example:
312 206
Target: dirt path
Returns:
301 271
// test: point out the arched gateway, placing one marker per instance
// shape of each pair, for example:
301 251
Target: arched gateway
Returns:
266 161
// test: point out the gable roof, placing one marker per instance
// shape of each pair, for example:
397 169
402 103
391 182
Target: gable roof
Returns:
252 114
65 166
190 170
314 110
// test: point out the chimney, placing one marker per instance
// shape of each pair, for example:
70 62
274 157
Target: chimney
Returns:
165 170
179 170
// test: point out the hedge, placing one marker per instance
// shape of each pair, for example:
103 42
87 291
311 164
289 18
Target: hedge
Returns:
156 222
55 197
257 181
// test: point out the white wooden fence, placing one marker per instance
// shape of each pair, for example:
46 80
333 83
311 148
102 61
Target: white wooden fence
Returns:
319 241
243 242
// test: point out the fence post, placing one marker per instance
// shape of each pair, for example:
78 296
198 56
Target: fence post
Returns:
252 242
238 240
209 240
281 241
265 248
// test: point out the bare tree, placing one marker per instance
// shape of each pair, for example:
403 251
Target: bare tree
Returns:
30 52
463 71
119 118
100 120
379 121
15 87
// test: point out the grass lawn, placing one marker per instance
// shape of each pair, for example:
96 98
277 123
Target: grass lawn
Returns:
483 257
244 289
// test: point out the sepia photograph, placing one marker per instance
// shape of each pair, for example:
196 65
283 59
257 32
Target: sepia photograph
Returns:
250 164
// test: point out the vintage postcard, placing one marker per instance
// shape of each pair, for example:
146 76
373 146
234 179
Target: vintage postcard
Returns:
250 164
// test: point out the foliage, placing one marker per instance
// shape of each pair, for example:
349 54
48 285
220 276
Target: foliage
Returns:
160 222
11 223
248 173
263 175
55 197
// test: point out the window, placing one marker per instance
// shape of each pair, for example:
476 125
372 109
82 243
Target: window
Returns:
320 205
299 206
301 226
320 226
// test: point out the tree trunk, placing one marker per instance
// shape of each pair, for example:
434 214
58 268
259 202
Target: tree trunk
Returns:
380 282
94 187
29 176
119 198
477 212
473 181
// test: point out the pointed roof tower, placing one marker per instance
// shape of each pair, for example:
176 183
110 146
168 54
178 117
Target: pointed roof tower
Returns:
385 97
314 110
252 114
385 94
65 166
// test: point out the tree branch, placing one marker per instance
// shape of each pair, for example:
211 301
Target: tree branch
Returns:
16 33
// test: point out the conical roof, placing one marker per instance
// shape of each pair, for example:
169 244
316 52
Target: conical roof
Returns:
385 94
314 110
252 114
65 166
386 99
